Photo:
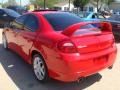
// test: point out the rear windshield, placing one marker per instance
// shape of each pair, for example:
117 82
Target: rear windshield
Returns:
60 21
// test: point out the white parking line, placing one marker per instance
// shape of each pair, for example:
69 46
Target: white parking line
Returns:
1 35
6 82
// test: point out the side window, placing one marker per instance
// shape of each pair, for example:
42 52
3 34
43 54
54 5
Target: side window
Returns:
19 22
21 19
93 16
32 23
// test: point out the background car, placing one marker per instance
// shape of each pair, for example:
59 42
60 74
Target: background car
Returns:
60 45
115 22
92 16
116 12
113 19
6 16
21 10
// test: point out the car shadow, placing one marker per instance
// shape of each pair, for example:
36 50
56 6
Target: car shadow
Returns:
21 74
117 38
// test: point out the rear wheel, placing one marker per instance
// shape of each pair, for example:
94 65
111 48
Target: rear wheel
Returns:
39 68
4 40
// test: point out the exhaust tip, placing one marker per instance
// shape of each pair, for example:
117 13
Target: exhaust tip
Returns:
81 79
110 67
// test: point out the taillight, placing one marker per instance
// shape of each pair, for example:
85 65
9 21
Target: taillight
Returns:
66 46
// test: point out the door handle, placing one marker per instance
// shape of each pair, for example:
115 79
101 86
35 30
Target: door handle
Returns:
28 40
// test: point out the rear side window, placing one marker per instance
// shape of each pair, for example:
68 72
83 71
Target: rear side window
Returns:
60 21
32 23
21 19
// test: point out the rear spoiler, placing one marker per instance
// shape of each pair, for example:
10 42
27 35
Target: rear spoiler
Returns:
104 26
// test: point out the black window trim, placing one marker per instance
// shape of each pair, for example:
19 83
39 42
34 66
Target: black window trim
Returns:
22 24
20 17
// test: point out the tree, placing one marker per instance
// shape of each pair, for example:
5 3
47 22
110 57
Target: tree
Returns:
99 3
69 4
80 3
10 3
48 3
108 2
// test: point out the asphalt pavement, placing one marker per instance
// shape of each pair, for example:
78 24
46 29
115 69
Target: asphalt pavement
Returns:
15 74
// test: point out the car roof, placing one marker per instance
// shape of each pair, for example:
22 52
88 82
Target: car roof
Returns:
5 9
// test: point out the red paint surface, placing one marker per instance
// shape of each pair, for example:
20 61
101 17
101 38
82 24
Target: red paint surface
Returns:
92 53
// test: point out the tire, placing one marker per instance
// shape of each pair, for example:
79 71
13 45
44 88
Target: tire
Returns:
4 40
40 68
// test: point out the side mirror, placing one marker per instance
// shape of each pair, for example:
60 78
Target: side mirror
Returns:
93 16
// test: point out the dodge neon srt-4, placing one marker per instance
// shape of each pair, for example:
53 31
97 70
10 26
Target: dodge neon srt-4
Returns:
60 45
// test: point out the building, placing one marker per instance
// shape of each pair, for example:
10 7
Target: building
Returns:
92 6
64 6
115 6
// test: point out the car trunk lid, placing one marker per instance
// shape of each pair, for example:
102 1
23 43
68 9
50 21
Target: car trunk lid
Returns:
92 39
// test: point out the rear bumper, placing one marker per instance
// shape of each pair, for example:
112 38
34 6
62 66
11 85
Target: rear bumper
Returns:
78 66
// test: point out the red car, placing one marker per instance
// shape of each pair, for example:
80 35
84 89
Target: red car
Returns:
60 45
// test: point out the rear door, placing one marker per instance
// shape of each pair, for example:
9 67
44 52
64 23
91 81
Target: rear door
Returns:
27 35
17 27
116 25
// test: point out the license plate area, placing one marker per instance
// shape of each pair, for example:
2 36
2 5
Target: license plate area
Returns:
101 60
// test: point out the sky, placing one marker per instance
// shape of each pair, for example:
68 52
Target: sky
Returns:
24 2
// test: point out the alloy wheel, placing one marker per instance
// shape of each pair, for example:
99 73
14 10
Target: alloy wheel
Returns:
39 68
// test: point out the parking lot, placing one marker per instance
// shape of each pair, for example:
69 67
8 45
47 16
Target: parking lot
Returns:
15 74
